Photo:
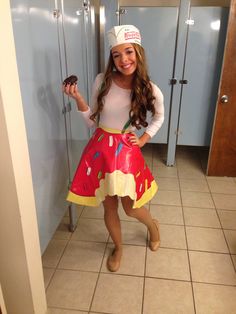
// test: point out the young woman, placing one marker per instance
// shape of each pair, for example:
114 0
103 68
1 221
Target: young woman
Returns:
112 164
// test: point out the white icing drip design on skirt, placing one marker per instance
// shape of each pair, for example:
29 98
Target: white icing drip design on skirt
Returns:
110 140
140 188
89 171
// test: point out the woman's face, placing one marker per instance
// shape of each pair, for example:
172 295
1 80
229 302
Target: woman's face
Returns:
124 57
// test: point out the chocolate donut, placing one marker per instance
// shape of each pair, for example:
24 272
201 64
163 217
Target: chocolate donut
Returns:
71 80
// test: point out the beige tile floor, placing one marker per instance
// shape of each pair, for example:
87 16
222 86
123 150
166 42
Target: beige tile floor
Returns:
192 272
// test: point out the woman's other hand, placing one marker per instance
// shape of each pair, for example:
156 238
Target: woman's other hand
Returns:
139 141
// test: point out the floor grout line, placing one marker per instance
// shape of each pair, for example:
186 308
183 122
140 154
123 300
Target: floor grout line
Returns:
186 239
99 274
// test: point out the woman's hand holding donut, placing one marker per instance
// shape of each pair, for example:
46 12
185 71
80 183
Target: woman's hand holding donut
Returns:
70 88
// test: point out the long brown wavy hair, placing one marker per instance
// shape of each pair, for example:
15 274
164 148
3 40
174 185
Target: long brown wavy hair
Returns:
142 99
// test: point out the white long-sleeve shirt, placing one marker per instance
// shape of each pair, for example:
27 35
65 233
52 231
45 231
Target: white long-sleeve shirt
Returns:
117 104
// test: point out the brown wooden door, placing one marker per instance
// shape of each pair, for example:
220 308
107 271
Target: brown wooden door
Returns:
222 155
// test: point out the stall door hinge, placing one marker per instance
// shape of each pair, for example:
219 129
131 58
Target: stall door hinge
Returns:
190 22
178 132
86 5
56 13
66 108
121 11
173 81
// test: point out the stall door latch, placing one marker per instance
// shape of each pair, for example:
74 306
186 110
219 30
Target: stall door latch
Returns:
121 11
183 81
173 81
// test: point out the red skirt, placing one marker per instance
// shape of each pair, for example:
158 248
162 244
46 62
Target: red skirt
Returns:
111 165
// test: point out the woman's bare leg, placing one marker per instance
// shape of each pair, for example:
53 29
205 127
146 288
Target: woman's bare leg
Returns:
112 222
143 215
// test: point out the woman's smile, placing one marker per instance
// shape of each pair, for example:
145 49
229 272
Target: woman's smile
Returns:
127 66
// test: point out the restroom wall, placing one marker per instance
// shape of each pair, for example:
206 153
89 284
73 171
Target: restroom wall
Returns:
21 273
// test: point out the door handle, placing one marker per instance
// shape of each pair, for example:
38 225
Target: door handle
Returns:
224 99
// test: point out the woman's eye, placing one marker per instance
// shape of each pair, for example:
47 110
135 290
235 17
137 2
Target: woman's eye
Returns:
115 56
130 51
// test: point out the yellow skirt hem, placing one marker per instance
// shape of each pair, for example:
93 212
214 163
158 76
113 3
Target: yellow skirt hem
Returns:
94 202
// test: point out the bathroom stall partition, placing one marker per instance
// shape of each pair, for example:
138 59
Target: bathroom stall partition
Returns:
77 38
184 43
52 41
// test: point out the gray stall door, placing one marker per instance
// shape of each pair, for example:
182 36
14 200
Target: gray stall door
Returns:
158 26
40 49
77 27
204 54
77 40
35 32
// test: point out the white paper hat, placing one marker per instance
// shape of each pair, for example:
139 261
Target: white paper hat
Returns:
123 34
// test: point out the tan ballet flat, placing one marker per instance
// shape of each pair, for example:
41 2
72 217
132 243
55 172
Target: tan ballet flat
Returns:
154 245
113 265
